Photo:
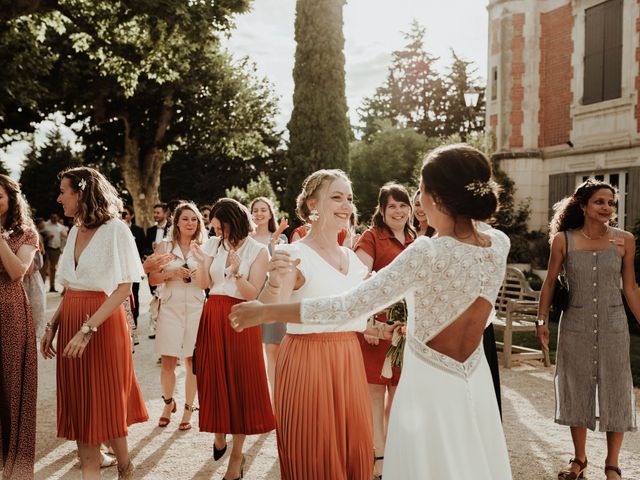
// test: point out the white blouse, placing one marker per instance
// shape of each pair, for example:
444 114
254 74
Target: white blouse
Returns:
322 280
109 259
439 278
222 282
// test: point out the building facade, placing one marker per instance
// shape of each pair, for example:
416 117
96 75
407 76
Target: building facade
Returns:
563 98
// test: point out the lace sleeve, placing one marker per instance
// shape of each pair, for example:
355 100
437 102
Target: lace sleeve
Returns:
388 286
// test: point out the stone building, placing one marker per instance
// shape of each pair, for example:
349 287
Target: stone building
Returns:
563 98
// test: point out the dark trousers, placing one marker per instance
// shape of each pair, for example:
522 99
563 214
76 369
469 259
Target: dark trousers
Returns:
490 351
135 289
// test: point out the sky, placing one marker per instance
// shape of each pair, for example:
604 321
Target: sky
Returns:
373 30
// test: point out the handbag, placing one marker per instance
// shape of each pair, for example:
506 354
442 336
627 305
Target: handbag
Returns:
560 301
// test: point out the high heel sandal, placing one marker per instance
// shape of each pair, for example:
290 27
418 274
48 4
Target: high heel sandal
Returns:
375 475
609 468
164 421
241 471
184 426
569 475
218 453
126 472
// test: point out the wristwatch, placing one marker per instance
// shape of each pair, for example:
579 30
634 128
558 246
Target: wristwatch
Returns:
540 322
86 329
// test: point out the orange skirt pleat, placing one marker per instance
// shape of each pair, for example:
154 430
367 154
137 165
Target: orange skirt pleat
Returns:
98 394
323 411
232 380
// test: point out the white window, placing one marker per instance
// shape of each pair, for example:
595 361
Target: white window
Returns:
619 181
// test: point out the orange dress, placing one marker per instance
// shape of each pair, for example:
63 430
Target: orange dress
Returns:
98 394
383 247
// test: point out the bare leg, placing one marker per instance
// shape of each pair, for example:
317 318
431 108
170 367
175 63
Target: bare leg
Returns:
89 460
190 386
614 444
579 437
235 460
391 393
121 450
168 381
220 440
272 356
376 395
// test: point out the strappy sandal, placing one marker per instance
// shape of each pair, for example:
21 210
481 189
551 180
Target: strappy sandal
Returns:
184 426
375 475
164 421
569 475
107 460
126 472
615 470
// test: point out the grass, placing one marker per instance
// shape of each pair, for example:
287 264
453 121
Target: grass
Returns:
527 339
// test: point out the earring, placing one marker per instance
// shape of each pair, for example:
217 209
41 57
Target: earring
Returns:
433 203
313 215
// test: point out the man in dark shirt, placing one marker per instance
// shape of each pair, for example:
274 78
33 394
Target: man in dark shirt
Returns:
128 215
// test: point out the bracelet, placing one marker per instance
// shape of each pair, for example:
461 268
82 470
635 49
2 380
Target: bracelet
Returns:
48 327
237 275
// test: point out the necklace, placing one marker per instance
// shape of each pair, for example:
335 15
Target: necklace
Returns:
606 230
341 267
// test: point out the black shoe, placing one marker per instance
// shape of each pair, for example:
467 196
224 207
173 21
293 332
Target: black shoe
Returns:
217 454
151 337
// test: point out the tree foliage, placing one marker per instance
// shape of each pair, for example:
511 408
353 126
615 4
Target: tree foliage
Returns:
319 128
391 155
415 95
39 177
147 79
260 187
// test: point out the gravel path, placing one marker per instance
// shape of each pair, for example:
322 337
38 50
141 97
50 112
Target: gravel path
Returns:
537 446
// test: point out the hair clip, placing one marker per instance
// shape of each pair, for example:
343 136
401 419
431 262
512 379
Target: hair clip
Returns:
82 184
479 188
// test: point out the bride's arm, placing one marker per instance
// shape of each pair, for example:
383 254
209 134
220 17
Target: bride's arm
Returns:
388 286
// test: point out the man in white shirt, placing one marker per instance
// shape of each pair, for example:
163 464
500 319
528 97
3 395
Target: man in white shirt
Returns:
55 236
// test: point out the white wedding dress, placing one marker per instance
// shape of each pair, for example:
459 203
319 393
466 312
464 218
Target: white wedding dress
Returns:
444 421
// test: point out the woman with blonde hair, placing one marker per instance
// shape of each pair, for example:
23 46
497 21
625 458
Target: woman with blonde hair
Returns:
18 355
269 232
181 301
323 413
593 379
98 393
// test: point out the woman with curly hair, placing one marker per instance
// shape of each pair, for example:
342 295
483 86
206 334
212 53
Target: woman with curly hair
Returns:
98 393
18 356
593 380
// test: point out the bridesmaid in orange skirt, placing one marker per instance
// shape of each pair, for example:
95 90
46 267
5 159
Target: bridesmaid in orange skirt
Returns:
98 393
323 413
230 371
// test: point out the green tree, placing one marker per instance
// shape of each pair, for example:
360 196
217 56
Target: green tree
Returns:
319 128
392 154
260 187
39 177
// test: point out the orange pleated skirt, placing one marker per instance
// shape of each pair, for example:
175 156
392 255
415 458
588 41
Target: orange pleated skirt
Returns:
323 411
232 380
98 394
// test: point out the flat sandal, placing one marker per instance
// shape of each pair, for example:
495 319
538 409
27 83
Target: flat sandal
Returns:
569 475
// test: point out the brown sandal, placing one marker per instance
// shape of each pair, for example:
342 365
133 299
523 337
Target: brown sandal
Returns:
569 475
616 470
164 421
184 426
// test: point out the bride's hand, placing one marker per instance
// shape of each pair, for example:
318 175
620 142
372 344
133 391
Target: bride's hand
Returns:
246 315
280 266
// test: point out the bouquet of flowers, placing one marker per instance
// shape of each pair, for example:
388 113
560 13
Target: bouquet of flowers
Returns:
395 313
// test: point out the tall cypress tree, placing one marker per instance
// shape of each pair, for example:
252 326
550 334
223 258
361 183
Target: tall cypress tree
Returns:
319 129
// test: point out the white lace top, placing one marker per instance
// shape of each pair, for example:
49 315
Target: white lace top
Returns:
439 278
321 280
222 283
109 259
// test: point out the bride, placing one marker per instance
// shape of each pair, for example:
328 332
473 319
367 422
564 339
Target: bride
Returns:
444 421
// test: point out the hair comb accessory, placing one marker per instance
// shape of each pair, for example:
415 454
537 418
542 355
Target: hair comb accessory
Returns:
479 188
82 184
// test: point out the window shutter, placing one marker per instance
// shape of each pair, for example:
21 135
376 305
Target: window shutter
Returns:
594 55
560 186
612 82
632 204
